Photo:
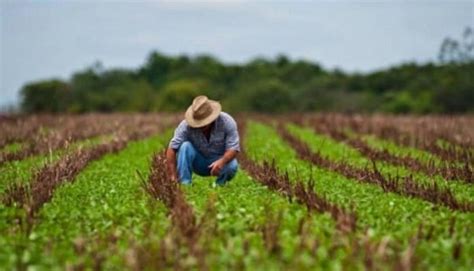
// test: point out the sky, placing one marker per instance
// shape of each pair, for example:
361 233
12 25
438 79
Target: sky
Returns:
53 39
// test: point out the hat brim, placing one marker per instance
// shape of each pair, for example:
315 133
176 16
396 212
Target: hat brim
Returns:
216 110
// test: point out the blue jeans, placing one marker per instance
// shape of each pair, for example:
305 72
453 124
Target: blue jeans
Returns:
190 160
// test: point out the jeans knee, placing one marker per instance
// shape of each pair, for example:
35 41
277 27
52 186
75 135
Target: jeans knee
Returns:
232 167
187 149
228 172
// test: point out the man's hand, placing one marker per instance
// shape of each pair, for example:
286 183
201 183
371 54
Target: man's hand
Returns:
217 166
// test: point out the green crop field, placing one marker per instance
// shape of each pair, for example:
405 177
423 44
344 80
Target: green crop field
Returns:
313 192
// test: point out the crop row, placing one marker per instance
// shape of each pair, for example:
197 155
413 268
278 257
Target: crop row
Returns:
27 128
20 129
41 188
206 246
89 250
449 138
268 175
360 247
403 186
172 248
45 183
22 171
448 170
335 150
386 214
73 128
185 232
305 217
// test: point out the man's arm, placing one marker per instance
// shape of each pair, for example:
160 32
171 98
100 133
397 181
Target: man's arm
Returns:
171 163
229 155
219 164
232 146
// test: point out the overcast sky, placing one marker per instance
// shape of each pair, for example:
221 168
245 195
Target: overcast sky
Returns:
46 39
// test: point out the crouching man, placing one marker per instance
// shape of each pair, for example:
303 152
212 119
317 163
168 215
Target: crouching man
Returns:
206 142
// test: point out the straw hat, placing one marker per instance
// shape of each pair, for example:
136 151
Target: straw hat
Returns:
202 112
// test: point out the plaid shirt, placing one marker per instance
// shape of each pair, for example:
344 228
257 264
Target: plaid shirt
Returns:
224 136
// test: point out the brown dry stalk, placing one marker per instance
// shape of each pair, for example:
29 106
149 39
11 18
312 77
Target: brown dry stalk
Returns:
185 231
404 186
270 231
167 252
22 128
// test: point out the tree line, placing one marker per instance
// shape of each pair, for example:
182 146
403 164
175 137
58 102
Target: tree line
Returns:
169 83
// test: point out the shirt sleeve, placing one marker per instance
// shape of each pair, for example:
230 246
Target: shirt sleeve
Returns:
180 135
232 141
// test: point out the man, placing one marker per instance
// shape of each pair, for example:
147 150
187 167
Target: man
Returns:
205 142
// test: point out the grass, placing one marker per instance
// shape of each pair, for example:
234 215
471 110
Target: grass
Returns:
13 147
99 217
